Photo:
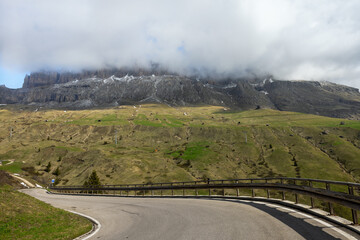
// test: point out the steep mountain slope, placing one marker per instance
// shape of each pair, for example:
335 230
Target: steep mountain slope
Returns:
161 143
108 88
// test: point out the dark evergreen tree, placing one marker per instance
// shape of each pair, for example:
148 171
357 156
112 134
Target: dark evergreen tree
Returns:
93 180
56 172
48 167
57 181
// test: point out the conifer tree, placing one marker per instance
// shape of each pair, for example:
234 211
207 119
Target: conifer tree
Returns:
93 180
48 167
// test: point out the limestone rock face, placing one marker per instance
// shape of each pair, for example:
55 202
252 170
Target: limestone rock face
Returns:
133 86
312 97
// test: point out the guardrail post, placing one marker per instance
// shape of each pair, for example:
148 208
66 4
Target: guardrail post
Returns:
311 198
127 192
353 211
237 190
283 192
296 195
196 191
331 208
267 190
252 190
161 190
209 191
172 190
183 189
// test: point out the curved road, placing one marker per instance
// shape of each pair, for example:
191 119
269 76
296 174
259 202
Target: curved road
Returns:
166 218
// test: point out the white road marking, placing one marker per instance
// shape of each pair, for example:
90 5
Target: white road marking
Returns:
92 219
348 236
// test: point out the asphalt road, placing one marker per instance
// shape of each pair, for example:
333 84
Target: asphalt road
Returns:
170 218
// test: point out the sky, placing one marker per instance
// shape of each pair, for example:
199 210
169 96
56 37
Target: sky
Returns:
290 39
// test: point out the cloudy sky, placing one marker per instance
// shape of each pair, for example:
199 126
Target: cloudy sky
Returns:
312 40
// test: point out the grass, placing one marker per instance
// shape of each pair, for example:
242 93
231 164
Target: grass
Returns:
73 149
15 167
24 217
162 143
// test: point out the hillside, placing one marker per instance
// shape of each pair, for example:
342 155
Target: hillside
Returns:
24 217
160 143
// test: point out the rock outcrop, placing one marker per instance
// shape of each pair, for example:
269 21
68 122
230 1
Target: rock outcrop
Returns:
115 87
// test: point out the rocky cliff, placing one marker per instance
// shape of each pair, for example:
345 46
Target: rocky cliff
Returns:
115 87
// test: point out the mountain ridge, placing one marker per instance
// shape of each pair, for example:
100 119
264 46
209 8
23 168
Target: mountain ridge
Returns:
113 87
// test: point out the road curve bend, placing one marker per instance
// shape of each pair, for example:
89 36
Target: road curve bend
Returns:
174 218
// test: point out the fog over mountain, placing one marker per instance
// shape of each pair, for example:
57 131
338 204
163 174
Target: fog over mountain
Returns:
312 40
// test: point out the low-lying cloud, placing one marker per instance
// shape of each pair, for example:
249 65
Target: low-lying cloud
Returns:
303 39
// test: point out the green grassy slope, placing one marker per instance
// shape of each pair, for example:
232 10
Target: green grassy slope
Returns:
161 143
24 217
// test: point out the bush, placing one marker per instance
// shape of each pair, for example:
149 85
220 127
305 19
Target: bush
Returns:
56 172
48 167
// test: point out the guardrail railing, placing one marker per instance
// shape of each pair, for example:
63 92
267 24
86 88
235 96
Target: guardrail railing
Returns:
342 193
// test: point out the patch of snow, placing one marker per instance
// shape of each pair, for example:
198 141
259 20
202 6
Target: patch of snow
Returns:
3 104
126 78
208 85
326 83
38 186
109 80
22 183
16 174
264 92
267 80
185 114
232 85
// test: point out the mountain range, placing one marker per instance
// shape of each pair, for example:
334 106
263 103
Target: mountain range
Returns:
106 88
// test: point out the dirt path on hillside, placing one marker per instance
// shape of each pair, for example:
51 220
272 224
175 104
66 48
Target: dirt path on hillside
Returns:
23 180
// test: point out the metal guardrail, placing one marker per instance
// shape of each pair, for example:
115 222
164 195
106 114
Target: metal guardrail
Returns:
343 193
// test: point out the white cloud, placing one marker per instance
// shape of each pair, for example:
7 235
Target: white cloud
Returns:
296 39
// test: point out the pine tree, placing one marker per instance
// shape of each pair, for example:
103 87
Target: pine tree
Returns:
93 180
56 172
48 167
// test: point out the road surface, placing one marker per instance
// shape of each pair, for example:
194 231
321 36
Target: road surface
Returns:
173 218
